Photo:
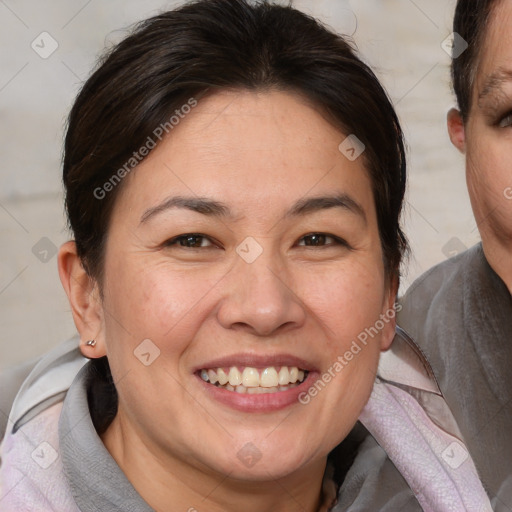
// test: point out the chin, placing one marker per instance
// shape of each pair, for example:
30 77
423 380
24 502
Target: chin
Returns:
267 468
273 457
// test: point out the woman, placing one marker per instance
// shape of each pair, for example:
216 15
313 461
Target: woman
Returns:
234 179
460 312
473 291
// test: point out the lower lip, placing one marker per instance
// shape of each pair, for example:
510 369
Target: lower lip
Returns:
264 402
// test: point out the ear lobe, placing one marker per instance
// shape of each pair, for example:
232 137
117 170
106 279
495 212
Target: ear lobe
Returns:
456 129
84 298
389 316
388 333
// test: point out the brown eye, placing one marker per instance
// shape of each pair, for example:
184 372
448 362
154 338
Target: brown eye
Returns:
190 240
506 121
319 240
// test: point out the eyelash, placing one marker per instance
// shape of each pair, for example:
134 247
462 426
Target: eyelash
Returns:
337 240
176 241
507 116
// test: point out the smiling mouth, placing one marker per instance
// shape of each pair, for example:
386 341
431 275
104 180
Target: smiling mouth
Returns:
253 380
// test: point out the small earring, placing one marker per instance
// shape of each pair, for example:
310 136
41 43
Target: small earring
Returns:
91 343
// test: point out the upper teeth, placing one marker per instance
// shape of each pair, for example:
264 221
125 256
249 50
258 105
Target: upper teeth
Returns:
252 377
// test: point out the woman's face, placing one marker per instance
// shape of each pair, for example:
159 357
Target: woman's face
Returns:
248 242
488 131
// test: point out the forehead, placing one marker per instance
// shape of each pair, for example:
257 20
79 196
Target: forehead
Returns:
257 119
245 148
251 131
495 59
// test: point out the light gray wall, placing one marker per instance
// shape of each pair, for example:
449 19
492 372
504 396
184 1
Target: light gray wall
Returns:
401 39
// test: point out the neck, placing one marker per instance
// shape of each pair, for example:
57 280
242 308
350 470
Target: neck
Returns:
163 480
498 254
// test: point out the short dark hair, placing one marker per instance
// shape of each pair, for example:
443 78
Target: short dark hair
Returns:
210 45
470 22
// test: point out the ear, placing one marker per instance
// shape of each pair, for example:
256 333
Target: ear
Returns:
84 297
456 129
388 316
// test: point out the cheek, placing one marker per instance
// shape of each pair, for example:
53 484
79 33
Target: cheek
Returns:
488 164
489 178
356 328
150 301
347 301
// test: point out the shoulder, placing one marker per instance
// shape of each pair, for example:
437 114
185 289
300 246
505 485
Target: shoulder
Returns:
40 384
436 294
31 474
374 483
439 280
408 417
11 380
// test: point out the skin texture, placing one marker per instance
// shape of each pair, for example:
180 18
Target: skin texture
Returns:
258 153
486 140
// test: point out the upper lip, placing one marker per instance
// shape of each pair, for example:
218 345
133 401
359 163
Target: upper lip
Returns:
256 361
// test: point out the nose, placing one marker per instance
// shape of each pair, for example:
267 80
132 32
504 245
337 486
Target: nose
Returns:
259 299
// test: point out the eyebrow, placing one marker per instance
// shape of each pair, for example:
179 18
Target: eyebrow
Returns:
209 207
494 82
315 204
196 204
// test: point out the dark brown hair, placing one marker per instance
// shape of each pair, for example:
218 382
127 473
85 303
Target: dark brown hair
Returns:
209 45
470 22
